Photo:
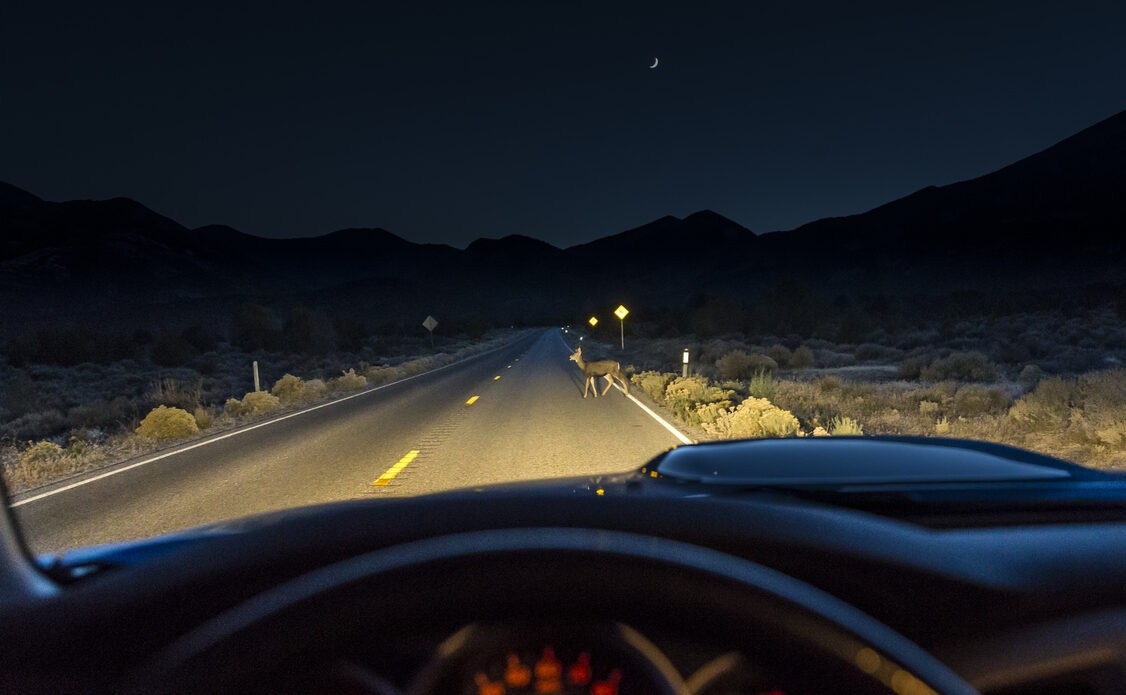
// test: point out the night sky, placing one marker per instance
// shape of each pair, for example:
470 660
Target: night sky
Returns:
444 125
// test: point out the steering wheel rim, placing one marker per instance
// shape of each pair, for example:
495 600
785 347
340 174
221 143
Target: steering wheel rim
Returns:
837 627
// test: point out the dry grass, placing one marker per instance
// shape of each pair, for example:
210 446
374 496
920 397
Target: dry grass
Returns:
1080 419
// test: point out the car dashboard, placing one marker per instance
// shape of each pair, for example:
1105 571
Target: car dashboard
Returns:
1013 609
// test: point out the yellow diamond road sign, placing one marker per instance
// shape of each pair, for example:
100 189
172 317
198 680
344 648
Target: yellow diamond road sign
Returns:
593 321
621 312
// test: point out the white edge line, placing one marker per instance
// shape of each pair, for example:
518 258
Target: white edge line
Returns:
676 433
664 423
241 430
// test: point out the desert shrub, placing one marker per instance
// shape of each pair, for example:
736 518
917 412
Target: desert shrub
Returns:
735 386
378 375
912 367
260 402
972 400
685 388
163 422
204 418
842 426
417 366
684 394
734 365
829 384
762 363
942 427
754 418
653 384
315 389
234 406
928 408
1029 377
348 381
289 389
780 354
40 453
739 365
820 431
831 358
802 358
874 352
708 413
961 366
19 396
176 394
78 446
711 351
1088 412
1045 409
761 385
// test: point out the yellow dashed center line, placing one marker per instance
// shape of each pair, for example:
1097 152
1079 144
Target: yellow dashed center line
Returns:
394 470
495 378
472 400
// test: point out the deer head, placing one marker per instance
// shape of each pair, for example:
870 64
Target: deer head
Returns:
577 356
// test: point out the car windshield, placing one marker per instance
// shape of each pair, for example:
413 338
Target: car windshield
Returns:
258 259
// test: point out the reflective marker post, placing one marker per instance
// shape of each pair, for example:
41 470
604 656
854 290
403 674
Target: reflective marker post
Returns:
256 388
685 374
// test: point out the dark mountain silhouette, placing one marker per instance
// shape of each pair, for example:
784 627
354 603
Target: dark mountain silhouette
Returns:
1055 219
10 195
665 239
1076 188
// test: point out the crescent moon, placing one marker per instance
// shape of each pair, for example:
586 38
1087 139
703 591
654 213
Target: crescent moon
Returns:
655 61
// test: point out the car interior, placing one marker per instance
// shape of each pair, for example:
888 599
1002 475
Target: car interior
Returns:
671 586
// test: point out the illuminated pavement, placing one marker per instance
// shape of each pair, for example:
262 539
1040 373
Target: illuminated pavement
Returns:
456 427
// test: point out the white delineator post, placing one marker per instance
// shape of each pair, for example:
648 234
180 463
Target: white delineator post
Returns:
685 374
256 387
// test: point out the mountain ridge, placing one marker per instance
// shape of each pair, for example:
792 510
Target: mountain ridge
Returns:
1053 219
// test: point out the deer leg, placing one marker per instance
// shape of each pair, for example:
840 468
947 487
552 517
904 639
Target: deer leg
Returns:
586 387
590 380
625 385
609 383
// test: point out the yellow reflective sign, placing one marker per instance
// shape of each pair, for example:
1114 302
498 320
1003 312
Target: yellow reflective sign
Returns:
621 312
593 321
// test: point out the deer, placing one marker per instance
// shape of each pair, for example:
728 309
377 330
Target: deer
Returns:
591 370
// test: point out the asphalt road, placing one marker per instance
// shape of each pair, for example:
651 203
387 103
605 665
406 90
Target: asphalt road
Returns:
530 423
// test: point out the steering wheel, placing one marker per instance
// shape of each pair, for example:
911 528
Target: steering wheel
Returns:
549 574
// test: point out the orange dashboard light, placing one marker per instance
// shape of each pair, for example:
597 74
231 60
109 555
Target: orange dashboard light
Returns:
579 673
548 667
608 686
604 688
549 686
517 675
488 687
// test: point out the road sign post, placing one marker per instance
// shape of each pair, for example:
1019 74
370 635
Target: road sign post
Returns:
621 312
256 387
430 324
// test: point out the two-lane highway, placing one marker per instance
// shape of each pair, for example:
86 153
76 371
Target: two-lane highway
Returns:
456 427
